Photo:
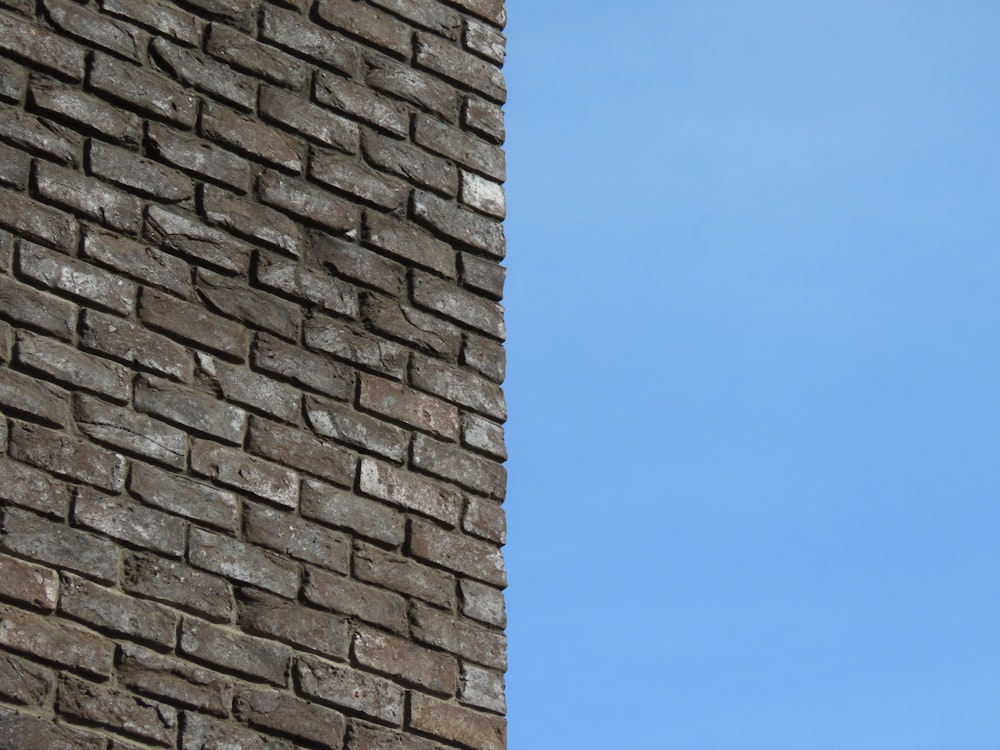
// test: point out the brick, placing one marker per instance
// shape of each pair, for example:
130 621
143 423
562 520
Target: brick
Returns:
130 432
14 166
451 301
35 399
89 112
433 16
23 682
158 15
55 642
180 495
132 344
314 204
129 714
313 371
484 118
460 636
22 731
88 196
459 66
346 174
483 435
251 220
32 488
243 562
483 688
368 737
283 713
67 456
300 450
461 224
234 468
333 336
461 467
131 171
465 149
205 74
294 537
359 515
456 723
33 309
75 278
419 329
458 386
485 41
29 219
483 275
193 324
250 137
178 585
483 603
250 389
95 29
349 597
346 425
41 47
203 159
457 552
6 347
197 411
129 522
261 60
368 24
483 195
148 92
316 123
204 733
290 622
360 264
26 583
106 609
413 164
173 680
410 491
486 356
13 81
306 40
257 309
240 14
137 261
359 102
405 661
494 11
186 235
486 519
65 364
40 136
251 657
317 287
422 90
347 688
403 404
404 575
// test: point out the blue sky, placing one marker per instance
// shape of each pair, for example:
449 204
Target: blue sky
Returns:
754 375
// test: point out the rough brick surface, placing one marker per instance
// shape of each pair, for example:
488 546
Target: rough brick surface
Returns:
251 348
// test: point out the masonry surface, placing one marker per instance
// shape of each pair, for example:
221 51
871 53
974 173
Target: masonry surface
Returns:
251 443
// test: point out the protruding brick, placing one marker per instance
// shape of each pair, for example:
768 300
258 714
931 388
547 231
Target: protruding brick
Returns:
90 197
317 123
483 603
179 585
130 714
187 235
283 713
409 243
311 370
290 622
457 552
359 515
133 344
40 136
195 410
483 195
192 323
26 583
349 597
347 688
180 495
410 491
461 467
250 137
457 65
243 562
148 92
130 522
459 386
456 723
62 644
403 574
405 661
106 609
251 657
93 114
199 157
205 74
67 456
65 364
137 261
485 41
460 636
251 389
173 680
349 426
35 399
25 683
291 536
75 278
359 348
95 29
486 519
359 102
40 46
456 303
360 264
130 432
483 688
458 223
245 53
308 201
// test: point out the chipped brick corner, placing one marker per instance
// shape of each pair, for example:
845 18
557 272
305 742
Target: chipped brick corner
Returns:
251 442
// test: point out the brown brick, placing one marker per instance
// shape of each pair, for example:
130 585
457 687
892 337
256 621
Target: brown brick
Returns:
486 519
347 688
133 172
360 264
75 278
32 488
402 574
466 469
422 90
359 348
40 136
485 41
457 552
251 220
26 583
483 603
348 175
311 285
67 456
205 74
204 733
40 46
359 102
410 491
458 223
42 540
299 449
434 16
484 118
483 435
33 309
369 24
250 137
494 11
251 389
456 723
13 81
88 196
22 731
23 682
158 15
29 219
462 306
148 92
307 201
99 30
483 275
180 495
467 150
132 344
306 40
14 166
348 597
173 680
405 661
203 159
403 404
413 164
130 432
177 584
192 323
460 636
317 123
239 13
483 688
419 329
93 114
258 309
67 365
310 370
243 562
457 65
187 235
264 61
409 244
251 657
35 399
458 386
367 737
129 522
232 467
283 713
358 515
137 261
290 622
486 356
106 609
346 425
294 537
55 642
129 714
197 411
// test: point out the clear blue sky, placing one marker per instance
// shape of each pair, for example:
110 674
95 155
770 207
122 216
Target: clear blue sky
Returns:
754 374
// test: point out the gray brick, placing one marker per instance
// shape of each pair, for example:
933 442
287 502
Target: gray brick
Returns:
197 411
405 661
317 123
457 65
349 597
22 731
250 137
283 713
359 348
131 171
348 688
348 175
310 370
485 41
460 636
204 159
459 466
359 102
239 13
33 309
346 425
317 287
13 81
296 538
67 456
32 488
484 118
109 610
203 733
90 197
486 357
367 737
148 92
434 16
368 23
243 562
75 278
234 468
483 603
55 642
493 11
96 29
457 552
129 522
457 724
93 114
419 89
27 583
40 46
40 136
419 329
23 682
132 344
39 222
460 305
264 61
137 261
178 585
403 404
483 435
14 166
458 386
410 491
185 234
298 449
458 223
252 220
360 264
483 195
191 323
307 201
251 657
65 364
173 680
405 575
180 495
483 688
413 164
486 519
130 432
305 628
132 715
483 275
35 399
360 516
257 309
205 74
306 40
157 15
467 150
250 389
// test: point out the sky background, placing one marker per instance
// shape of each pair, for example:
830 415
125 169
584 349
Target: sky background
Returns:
753 305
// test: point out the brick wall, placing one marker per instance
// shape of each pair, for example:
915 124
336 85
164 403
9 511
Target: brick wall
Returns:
250 363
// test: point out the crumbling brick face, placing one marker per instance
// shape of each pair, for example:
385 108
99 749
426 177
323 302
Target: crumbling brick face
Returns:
251 350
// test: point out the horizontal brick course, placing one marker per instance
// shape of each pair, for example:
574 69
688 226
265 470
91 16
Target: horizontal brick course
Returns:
65 364
88 112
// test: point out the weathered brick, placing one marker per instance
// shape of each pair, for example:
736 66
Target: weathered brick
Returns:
359 102
250 137
75 278
130 432
462 306
317 123
106 609
299 539
252 220
33 309
302 627
409 491
173 680
486 519
314 286
363 736
405 661
456 723
205 74
204 159
23 731
300 450
93 114
129 714
199 412
148 92
484 118
306 40
129 522
204 733
457 552
31 488
348 175
53 641
465 149
41 47
187 235
402 574
307 201
434 16
233 299
310 370
67 456
494 11
458 386
14 165
26 218
13 81
413 164
458 223
264 61
409 243
26 583
283 713
459 466
483 195
420 89
403 404
460 636
455 64
346 425
90 197
6 348
483 688
96 29
158 15
419 329
180 495
483 603
243 562
35 399
369 24
133 172
249 656
358 515
349 597
40 136
234 468
23 682
132 344
65 364
483 275
179 585
360 264
486 356
485 41
251 389
190 322
483 435
137 261
333 336
347 688
239 13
